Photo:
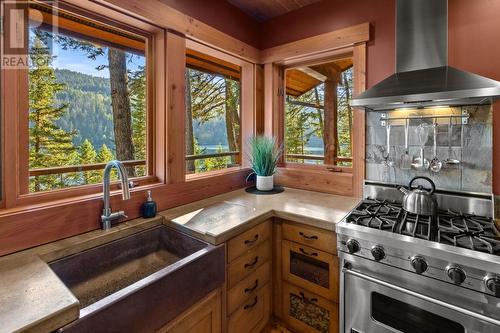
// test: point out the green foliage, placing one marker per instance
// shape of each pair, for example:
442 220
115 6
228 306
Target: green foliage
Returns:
137 87
217 163
304 124
49 144
88 156
264 155
214 105
71 113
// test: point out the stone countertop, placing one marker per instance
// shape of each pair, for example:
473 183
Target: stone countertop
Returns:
219 218
33 298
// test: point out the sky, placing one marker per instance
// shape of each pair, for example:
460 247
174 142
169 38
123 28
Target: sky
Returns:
77 60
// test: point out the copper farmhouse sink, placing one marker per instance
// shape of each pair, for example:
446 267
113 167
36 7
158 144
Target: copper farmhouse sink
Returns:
140 282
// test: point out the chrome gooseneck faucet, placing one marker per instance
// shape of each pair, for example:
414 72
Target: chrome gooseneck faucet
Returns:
107 216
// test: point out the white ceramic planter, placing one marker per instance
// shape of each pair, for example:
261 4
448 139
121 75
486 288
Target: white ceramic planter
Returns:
265 183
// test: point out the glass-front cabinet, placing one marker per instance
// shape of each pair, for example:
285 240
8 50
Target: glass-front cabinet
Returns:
311 269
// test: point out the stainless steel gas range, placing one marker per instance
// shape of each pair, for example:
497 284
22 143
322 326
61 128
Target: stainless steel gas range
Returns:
403 272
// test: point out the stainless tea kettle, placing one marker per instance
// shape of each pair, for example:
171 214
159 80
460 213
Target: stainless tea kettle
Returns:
419 200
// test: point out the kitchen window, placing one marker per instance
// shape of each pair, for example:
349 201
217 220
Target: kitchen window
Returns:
87 101
318 117
213 113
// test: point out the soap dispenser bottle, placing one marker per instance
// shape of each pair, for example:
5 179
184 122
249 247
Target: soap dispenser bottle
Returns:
149 207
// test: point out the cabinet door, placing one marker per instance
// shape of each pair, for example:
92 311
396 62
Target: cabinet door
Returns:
203 317
307 312
312 269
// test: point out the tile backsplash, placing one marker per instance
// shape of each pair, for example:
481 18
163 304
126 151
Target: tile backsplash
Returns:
471 144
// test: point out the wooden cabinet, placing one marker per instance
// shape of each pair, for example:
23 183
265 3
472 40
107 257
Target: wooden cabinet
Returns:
252 315
248 263
203 317
248 295
311 269
317 238
307 312
248 240
248 287
310 279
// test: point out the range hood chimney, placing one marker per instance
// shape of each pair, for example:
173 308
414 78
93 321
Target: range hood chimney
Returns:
423 77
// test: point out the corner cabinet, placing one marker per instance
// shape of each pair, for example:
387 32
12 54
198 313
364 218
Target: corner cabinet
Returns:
203 317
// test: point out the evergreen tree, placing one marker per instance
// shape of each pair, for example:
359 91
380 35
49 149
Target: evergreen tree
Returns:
87 155
104 156
137 88
50 145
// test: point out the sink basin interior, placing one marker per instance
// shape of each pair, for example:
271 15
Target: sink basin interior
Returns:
101 271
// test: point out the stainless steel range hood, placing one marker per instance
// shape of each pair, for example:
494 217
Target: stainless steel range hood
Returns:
423 77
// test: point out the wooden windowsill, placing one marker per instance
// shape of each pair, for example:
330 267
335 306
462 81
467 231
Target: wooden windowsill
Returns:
208 174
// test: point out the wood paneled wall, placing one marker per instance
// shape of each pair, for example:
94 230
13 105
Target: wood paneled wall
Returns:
39 221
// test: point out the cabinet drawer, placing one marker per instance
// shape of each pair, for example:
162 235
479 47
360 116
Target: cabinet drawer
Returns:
312 269
246 264
248 287
253 313
319 239
308 312
248 240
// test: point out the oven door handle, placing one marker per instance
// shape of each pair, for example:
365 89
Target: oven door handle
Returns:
423 297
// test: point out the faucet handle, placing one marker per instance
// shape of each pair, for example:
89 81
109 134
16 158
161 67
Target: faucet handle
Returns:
120 214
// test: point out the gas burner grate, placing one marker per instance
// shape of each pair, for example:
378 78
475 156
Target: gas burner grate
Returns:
419 226
378 214
468 231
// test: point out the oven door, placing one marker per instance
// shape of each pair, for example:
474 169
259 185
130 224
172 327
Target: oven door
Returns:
374 306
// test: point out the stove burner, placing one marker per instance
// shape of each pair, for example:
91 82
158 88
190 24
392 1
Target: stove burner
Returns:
453 228
419 226
468 231
372 213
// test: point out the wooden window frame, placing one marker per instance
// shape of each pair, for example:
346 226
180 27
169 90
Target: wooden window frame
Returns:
15 117
247 106
348 42
307 166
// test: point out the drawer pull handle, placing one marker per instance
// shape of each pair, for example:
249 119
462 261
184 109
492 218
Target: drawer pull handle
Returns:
308 237
251 305
307 300
249 290
251 241
253 263
312 254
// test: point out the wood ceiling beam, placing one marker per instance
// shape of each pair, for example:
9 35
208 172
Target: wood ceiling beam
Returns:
311 72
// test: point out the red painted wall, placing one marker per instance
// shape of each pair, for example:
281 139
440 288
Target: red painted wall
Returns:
221 15
474 45
331 15
474 26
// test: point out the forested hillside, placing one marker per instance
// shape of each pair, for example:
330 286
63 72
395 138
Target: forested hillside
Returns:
89 112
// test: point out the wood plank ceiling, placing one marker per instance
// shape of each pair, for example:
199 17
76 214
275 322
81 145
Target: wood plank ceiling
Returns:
263 10
302 79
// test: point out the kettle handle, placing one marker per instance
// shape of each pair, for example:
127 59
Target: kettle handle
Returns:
433 186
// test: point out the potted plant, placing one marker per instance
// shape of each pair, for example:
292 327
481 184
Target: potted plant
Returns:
264 156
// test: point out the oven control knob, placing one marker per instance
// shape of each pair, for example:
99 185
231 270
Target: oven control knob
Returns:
456 274
378 252
353 246
419 264
492 283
